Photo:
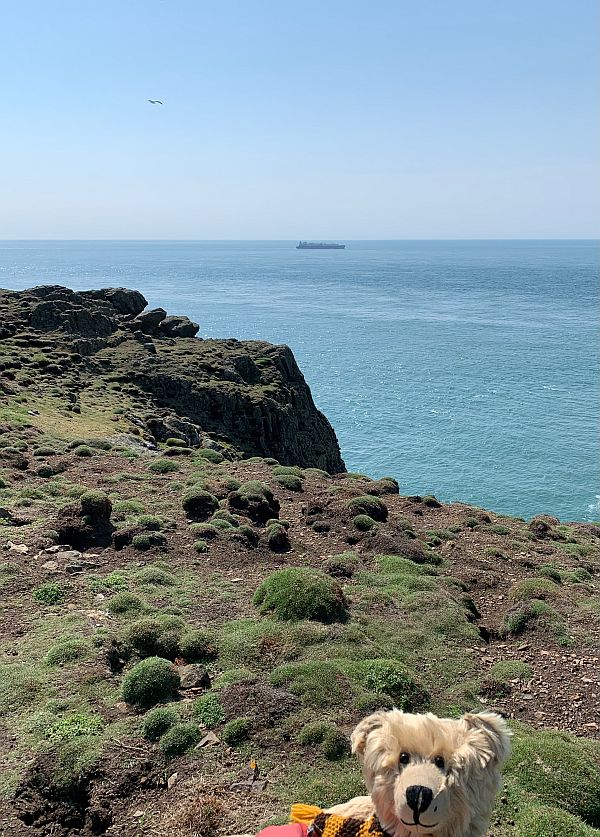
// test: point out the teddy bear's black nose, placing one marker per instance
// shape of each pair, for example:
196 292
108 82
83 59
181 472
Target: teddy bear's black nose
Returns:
419 798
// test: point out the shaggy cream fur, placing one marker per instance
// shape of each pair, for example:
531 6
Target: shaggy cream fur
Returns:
428 775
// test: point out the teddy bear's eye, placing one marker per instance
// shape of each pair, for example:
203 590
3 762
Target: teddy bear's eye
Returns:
439 762
404 758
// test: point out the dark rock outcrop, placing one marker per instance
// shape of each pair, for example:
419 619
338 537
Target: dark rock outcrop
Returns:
149 321
179 327
245 396
123 300
54 315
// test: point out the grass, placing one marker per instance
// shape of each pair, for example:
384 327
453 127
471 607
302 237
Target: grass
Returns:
369 505
208 710
153 680
511 670
125 603
163 466
334 687
67 651
534 588
330 739
158 721
50 593
559 770
299 593
236 731
179 739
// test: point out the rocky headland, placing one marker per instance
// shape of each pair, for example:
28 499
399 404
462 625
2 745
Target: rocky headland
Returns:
198 602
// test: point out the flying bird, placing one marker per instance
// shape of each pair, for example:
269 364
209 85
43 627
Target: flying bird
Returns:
155 101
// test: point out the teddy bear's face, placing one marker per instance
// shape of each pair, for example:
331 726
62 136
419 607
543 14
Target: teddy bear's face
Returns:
422 770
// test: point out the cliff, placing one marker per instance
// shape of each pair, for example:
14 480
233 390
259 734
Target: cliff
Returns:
250 396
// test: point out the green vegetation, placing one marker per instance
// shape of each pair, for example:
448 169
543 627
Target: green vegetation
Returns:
198 646
125 602
551 572
96 504
364 522
511 670
301 593
557 769
67 651
83 450
210 456
334 686
128 507
50 593
533 611
333 743
541 821
199 504
148 540
163 466
158 721
369 505
287 471
208 710
151 681
236 731
277 538
155 636
205 531
156 576
150 521
179 739
533 588
289 481
391 678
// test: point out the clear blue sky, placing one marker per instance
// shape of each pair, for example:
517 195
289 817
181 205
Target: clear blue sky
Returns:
353 119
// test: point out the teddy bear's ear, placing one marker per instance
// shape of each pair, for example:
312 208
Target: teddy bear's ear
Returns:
487 738
362 731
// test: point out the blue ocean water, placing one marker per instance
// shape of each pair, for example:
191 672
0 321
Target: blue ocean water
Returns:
467 369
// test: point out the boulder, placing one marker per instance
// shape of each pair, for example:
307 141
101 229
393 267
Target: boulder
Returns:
178 326
194 676
149 321
123 300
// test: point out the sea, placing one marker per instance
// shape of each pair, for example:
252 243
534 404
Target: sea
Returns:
465 369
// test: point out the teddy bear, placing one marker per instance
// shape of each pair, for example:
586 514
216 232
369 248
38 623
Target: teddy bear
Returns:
428 776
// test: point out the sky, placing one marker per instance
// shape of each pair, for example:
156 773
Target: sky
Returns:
282 120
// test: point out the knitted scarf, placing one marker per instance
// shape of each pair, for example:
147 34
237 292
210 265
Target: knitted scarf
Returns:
321 824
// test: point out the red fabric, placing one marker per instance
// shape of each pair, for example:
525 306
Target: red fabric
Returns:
293 829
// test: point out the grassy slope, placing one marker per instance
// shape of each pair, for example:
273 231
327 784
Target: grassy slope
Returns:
61 709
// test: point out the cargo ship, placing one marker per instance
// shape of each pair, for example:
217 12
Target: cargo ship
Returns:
319 245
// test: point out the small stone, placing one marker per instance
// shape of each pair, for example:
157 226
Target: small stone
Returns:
50 565
172 780
209 739
18 547
69 555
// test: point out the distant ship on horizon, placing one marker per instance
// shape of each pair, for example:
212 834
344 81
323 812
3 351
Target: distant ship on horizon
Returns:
319 245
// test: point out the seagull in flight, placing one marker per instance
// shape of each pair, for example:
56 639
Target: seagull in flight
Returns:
155 101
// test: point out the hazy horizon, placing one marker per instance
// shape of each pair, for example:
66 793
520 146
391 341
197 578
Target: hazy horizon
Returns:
301 238
464 121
